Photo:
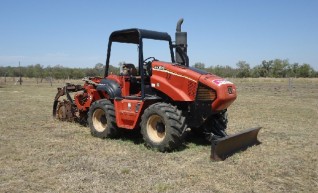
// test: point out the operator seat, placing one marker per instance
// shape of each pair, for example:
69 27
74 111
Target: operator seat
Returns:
131 71
128 70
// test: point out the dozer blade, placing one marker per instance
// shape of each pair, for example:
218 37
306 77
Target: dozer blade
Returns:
227 146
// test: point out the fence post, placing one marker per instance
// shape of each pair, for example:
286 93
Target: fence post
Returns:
20 77
290 83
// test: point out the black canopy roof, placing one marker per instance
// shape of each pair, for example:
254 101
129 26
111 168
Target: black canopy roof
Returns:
134 35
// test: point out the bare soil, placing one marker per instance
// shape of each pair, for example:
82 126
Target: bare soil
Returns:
39 154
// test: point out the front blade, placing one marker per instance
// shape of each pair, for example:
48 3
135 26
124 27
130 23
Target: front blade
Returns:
227 146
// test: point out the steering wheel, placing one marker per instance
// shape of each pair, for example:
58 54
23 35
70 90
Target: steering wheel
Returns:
147 65
146 60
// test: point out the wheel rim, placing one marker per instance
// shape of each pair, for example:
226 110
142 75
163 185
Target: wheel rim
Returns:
99 120
156 128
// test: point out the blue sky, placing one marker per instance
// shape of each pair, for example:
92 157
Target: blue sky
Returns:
75 33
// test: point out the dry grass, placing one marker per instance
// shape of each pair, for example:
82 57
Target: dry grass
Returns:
39 154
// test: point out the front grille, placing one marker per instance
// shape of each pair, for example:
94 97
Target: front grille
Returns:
205 93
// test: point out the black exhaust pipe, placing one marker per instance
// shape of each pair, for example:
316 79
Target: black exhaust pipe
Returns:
179 23
181 43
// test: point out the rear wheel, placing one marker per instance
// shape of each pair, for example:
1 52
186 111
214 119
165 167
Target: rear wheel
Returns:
102 120
162 127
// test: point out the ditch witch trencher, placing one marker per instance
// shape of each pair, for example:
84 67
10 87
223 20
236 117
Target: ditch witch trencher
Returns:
163 99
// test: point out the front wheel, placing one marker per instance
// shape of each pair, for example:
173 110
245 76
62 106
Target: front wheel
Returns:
102 120
162 127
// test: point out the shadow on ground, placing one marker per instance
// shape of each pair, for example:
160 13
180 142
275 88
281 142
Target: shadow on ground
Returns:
135 137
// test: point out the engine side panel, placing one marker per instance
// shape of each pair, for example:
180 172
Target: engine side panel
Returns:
179 83
185 84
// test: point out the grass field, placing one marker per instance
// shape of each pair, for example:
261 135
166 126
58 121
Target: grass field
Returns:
39 154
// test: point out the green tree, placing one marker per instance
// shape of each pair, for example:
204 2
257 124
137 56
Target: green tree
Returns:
77 73
292 70
39 72
243 69
305 70
199 65
279 68
99 67
256 71
29 71
266 70
112 69
59 72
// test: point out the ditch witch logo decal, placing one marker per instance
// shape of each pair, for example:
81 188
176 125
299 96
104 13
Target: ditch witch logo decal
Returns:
220 82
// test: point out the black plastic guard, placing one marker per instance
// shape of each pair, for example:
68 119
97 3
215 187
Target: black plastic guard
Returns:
229 145
111 87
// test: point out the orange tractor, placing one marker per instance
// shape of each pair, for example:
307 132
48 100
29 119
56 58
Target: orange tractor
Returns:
163 99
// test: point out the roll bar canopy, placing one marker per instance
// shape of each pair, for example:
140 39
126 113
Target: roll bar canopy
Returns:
134 35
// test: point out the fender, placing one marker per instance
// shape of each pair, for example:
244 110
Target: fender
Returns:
111 87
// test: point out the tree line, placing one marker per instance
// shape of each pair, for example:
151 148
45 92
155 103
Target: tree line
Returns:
268 68
272 68
40 72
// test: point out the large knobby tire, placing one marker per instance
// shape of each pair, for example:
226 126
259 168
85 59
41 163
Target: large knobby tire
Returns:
162 127
215 126
102 120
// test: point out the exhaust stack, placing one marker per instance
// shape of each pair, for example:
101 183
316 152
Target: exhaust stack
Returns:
181 43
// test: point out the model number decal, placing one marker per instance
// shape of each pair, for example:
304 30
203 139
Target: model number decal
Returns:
159 68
